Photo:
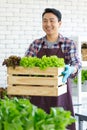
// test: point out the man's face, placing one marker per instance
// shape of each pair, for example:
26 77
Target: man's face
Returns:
50 24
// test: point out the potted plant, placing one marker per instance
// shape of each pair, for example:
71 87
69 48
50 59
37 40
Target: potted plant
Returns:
84 51
20 114
83 77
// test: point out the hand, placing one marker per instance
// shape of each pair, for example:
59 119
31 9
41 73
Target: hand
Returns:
67 72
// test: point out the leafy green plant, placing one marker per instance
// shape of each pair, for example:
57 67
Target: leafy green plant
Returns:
83 77
20 114
12 61
42 63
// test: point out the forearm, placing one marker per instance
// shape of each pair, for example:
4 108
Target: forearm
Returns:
77 68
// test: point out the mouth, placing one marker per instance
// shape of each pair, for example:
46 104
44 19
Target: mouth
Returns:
48 29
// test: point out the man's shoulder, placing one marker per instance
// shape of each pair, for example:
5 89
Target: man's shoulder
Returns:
65 39
38 40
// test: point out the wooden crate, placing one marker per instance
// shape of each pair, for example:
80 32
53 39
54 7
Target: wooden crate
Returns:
84 54
35 82
3 91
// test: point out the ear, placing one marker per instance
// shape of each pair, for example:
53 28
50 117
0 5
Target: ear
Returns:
60 22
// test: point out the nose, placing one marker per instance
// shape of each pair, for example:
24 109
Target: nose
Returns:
48 23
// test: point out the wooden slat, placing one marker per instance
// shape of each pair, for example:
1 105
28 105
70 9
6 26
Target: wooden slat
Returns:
35 71
32 91
26 80
62 90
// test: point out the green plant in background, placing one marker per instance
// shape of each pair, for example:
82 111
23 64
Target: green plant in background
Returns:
83 77
20 114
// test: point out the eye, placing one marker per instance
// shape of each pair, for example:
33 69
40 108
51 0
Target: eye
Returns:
52 20
45 21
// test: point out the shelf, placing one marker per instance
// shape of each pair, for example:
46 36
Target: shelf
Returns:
84 63
84 94
80 41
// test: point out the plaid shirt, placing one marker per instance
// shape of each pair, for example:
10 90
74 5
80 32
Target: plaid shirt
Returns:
68 48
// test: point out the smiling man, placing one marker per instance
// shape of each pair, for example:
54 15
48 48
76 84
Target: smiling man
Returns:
53 43
51 24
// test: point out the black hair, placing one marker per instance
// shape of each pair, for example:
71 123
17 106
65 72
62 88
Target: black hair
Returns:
54 11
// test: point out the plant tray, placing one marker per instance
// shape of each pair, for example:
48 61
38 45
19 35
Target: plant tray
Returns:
35 82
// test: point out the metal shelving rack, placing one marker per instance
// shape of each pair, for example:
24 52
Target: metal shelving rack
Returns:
84 66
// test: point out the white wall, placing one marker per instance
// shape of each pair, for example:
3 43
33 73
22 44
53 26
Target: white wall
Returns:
20 23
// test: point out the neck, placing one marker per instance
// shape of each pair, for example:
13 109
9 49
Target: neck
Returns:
52 38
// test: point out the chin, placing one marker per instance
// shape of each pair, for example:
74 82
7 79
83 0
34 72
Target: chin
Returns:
49 33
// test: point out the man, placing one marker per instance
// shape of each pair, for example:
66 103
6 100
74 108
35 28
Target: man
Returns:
53 43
